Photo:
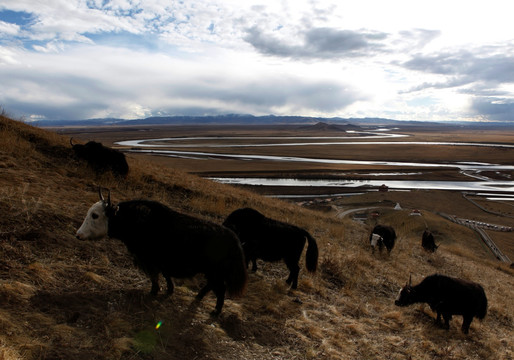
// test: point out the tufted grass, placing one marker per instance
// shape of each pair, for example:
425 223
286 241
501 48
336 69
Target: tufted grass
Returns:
65 298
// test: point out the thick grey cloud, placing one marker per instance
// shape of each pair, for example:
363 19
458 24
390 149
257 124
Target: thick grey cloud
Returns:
318 43
116 92
476 72
469 66
125 58
269 93
494 108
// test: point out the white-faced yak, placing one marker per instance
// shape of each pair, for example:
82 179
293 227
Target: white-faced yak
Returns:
386 237
176 245
272 240
447 296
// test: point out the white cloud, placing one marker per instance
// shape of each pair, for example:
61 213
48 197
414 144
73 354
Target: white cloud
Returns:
9 29
130 58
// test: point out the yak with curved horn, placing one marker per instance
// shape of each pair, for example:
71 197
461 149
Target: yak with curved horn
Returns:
175 245
447 296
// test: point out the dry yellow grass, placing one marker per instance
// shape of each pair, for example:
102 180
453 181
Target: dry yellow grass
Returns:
61 298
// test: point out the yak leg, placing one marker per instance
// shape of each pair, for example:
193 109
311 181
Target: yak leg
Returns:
254 264
169 284
219 291
447 317
203 291
154 278
294 270
466 322
438 320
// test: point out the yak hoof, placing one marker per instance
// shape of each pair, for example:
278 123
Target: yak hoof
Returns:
215 313
154 292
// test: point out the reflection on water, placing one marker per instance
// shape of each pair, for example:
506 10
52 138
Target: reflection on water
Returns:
472 169
312 140
158 145
212 156
392 184
175 142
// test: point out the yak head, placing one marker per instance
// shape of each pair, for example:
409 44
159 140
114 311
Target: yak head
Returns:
96 223
79 149
376 240
407 295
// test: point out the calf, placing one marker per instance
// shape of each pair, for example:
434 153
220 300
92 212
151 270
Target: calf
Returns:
447 296
176 245
272 240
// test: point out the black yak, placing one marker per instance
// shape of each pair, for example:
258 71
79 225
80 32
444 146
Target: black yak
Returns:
386 237
176 245
272 240
428 242
447 296
102 158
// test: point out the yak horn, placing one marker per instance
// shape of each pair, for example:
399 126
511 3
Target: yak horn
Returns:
410 279
71 141
102 197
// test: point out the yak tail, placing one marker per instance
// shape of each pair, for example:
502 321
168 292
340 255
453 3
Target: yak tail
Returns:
236 276
311 257
482 311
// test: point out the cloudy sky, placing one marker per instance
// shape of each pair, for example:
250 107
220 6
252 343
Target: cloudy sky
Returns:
405 60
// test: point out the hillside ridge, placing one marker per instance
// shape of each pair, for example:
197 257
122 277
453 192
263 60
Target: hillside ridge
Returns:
62 298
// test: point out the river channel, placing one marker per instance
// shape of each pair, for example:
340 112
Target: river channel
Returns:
178 147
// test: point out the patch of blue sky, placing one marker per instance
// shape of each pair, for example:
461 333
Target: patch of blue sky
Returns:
92 4
34 45
125 39
20 18
109 6
422 101
158 22
211 28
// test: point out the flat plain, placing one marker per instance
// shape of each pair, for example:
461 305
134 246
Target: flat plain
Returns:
418 144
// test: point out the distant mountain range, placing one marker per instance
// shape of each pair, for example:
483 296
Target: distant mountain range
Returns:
241 119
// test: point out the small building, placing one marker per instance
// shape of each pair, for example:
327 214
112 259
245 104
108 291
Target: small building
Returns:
383 188
360 217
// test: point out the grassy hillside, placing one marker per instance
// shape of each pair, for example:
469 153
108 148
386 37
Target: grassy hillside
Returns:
61 298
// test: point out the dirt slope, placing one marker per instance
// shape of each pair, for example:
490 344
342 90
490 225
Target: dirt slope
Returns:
61 298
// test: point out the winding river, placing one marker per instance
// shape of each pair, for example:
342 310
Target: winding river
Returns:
481 183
